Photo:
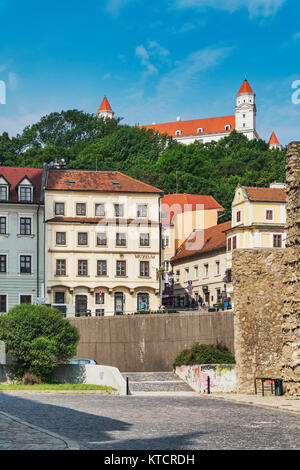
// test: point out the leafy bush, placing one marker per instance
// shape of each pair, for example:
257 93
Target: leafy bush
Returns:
204 354
39 338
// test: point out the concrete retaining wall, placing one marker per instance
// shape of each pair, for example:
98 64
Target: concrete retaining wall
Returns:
222 377
149 343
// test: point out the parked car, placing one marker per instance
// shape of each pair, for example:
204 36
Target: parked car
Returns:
83 361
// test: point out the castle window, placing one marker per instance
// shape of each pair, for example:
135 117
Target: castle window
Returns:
227 127
200 130
178 132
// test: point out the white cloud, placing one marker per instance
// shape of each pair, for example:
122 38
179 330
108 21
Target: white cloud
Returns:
156 48
143 55
13 81
114 6
296 36
255 7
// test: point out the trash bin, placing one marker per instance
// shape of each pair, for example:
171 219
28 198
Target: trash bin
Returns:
278 387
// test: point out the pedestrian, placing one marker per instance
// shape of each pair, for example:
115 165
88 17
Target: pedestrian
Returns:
200 302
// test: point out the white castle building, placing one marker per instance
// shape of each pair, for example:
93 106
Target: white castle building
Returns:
210 129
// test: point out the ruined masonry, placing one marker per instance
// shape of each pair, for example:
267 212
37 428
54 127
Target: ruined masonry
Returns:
267 307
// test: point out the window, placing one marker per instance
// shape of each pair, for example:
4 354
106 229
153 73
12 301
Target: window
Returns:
143 301
60 238
59 297
82 238
99 299
25 299
25 194
167 266
3 193
80 209
178 275
25 264
269 215
187 274
142 210
121 239
217 268
227 127
206 270
238 216
200 130
99 210
60 267
82 267
25 226
121 268
101 239
2 225
144 239
3 264
165 241
178 132
196 272
234 243
101 268
144 268
119 210
99 312
2 303
277 241
229 244
59 208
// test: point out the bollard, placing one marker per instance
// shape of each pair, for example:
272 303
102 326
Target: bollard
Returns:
127 386
208 384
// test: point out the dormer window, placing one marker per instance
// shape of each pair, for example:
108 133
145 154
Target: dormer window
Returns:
227 127
25 193
178 132
200 130
3 193
25 190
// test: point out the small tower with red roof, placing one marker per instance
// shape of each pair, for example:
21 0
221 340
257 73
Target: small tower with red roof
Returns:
245 111
105 110
274 142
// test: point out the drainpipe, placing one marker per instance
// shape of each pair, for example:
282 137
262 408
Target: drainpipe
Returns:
38 252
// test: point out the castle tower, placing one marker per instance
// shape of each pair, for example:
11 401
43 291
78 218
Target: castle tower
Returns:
105 110
245 111
274 142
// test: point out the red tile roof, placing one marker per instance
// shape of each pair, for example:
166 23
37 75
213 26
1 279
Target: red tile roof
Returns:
273 139
245 88
14 175
100 181
266 194
172 204
105 106
203 241
190 128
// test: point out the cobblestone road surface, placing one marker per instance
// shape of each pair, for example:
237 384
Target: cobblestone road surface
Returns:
155 423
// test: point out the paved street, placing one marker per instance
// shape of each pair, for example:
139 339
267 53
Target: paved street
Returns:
155 422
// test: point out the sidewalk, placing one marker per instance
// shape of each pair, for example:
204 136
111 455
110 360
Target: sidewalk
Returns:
269 401
18 435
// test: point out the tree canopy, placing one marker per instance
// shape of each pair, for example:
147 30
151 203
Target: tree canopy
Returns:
89 143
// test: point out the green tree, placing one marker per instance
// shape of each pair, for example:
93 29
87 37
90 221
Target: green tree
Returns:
39 338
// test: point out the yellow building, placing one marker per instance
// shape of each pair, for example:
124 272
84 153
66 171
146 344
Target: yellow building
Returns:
258 220
102 243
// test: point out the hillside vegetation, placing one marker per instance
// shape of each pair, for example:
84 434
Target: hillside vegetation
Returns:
89 143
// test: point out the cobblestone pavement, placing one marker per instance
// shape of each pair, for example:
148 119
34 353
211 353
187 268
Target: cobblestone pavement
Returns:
155 422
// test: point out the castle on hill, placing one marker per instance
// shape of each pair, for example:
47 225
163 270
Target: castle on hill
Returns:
210 129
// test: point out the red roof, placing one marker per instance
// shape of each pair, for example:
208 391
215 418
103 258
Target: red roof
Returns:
245 88
172 204
190 128
273 139
105 106
266 194
203 241
14 176
100 181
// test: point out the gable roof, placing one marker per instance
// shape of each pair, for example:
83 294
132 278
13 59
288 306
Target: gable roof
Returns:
15 175
266 194
173 204
245 88
105 106
190 128
98 181
203 241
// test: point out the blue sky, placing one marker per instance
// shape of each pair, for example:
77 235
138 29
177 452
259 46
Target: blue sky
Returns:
153 60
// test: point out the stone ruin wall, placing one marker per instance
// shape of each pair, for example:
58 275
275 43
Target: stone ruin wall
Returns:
267 300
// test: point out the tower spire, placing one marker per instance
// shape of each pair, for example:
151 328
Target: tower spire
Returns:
105 110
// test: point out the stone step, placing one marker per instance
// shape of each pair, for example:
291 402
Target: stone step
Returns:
156 382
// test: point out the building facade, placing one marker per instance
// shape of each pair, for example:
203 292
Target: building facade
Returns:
102 243
199 268
21 236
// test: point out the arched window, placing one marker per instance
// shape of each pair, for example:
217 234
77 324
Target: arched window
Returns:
143 301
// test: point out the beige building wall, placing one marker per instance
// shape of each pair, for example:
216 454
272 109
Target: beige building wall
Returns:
132 284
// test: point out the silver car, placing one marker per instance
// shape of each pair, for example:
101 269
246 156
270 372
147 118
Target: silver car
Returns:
83 361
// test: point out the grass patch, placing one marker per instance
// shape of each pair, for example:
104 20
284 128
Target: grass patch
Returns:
57 387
